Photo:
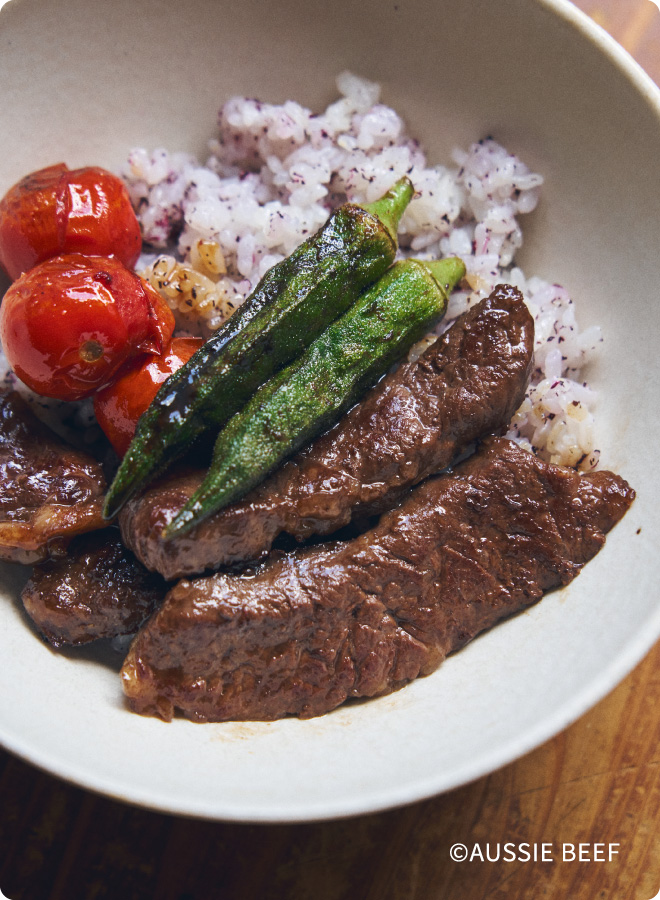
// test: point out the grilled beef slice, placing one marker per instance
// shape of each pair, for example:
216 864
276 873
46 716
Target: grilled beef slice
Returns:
49 491
98 590
358 619
414 422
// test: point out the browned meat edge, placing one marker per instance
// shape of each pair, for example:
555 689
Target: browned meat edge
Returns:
49 491
362 618
98 590
413 423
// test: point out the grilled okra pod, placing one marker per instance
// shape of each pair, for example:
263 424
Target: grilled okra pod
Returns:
307 396
293 303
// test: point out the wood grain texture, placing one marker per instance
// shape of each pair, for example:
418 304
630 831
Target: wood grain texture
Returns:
599 781
636 26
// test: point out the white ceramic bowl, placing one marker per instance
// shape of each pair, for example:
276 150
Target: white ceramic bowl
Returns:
84 82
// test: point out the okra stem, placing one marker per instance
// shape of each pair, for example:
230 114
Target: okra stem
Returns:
390 207
447 272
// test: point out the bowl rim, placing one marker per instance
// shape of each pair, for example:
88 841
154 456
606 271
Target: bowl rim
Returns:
394 796
595 33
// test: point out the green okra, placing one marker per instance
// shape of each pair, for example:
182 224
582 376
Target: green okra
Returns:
310 394
293 303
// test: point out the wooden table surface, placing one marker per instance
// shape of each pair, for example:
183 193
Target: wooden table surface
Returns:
598 783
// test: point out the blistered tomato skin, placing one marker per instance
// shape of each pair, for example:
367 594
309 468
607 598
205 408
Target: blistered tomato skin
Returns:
70 323
119 405
59 210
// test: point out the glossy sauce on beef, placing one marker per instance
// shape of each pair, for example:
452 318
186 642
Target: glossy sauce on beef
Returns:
49 491
414 422
98 590
362 618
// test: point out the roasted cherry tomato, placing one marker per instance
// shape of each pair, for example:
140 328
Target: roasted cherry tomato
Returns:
119 405
58 210
70 323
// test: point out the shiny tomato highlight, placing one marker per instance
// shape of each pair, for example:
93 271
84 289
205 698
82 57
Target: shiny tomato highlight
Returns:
119 405
58 210
70 323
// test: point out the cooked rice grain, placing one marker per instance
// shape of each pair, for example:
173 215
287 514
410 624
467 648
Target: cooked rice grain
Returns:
274 174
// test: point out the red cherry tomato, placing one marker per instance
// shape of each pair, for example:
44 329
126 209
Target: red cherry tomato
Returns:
119 405
58 210
70 323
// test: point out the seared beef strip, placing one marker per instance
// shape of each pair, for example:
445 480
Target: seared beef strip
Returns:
414 422
99 590
362 618
49 491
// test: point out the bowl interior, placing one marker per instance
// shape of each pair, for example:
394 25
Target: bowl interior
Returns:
86 82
